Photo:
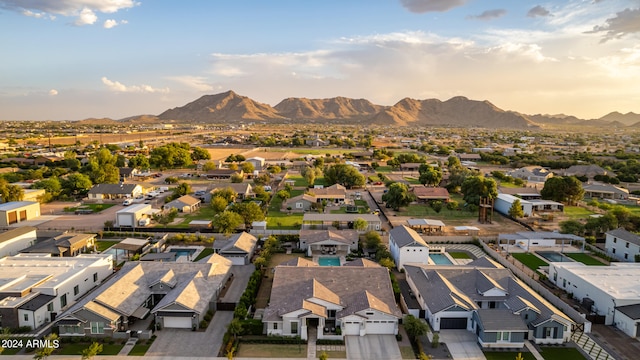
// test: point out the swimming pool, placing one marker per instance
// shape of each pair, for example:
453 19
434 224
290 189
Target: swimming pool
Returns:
440 259
329 261
554 256
183 252
118 254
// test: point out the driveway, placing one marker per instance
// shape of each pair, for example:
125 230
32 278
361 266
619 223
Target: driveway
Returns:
462 344
372 347
183 342
241 275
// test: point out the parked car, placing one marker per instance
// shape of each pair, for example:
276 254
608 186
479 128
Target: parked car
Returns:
127 202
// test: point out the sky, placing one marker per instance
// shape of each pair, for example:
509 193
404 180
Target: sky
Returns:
76 59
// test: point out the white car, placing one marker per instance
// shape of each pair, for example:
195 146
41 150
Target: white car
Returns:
127 202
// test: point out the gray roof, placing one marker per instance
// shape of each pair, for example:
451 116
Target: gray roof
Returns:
356 288
536 235
501 320
443 287
631 311
37 302
403 236
625 235
605 188
14 233
59 244
185 200
371 218
349 237
115 189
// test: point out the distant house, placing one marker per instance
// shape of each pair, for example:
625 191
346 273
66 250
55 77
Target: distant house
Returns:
407 246
336 300
586 170
314 221
239 248
525 193
622 244
222 173
605 191
127 173
15 240
257 162
316 142
410 167
243 190
532 173
471 157
65 245
175 294
336 194
33 194
42 160
184 204
18 211
425 194
503 203
114 191
328 242
489 301
300 203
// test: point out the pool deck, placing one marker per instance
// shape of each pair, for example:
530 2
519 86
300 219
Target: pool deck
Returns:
342 259
197 251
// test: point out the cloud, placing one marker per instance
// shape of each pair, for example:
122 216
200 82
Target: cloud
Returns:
424 6
85 11
53 92
624 23
117 86
489 14
538 11
198 83
111 23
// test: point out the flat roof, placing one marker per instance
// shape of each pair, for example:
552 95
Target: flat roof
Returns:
340 217
619 280
134 208
15 205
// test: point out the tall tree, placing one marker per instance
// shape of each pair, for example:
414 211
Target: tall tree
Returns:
102 167
515 211
198 153
309 174
250 212
476 187
566 189
398 196
414 327
76 184
218 204
345 175
227 221
429 175
139 162
360 224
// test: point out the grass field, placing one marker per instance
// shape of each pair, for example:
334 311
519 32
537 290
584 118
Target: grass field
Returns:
585 259
206 252
529 260
559 353
424 210
76 349
384 169
271 351
459 255
280 220
299 181
576 212
504 355
104 245
139 349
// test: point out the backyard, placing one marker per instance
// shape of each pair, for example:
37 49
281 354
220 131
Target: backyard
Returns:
104 245
585 259
277 219
529 260
576 212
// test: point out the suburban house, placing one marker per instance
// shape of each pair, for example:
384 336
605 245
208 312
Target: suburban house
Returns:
474 156
426 194
127 173
67 245
134 216
428 226
622 245
532 173
528 239
503 203
114 191
242 190
300 203
335 194
356 299
184 204
527 193
407 246
612 292
328 242
605 191
15 240
315 221
257 162
36 287
586 170
222 173
18 211
175 294
239 248
410 167
488 300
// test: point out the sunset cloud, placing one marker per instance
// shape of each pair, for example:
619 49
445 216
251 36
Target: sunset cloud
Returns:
84 11
424 6
117 86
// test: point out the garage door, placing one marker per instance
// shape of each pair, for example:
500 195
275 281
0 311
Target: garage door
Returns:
12 217
177 322
351 328
453 323
379 327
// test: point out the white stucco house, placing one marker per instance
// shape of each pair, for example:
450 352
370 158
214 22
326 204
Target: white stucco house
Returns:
407 246
622 244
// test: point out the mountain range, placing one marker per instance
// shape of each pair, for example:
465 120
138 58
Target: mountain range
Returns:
459 111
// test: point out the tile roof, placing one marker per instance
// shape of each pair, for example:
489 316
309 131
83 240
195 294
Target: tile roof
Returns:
242 242
423 192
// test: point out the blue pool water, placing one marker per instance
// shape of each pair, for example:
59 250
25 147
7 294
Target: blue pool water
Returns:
440 259
554 256
119 254
182 252
329 261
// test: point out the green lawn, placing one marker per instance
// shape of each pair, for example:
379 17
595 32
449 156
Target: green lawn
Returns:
412 180
561 353
206 252
95 207
423 210
104 245
299 180
280 220
529 260
140 349
459 255
507 355
585 259
271 351
576 212
76 349
384 169
632 208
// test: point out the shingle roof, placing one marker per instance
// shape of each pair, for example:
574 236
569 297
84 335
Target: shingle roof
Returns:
348 237
625 235
501 320
403 236
14 233
242 242
115 189
631 311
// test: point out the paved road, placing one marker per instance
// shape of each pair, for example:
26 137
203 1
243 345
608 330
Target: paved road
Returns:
372 347
90 222
181 342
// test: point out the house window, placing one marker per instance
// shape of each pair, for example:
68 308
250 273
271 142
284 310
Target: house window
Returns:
275 326
492 304
526 316
97 327
613 251
95 277
615 240
26 317
76 290
331 314
547 332
626 256
564 282
294 327
626 245
505 335
63 300
50 307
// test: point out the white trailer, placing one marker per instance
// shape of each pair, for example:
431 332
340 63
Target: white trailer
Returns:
503 203
130 216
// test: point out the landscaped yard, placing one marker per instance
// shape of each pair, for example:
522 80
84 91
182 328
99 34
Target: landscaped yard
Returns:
508 355
77 348
271 351
576 212
529 260
140 348
204 213
561 353
94 207
407 352
299 180
206 252
585 259
104 245
459 255
282 220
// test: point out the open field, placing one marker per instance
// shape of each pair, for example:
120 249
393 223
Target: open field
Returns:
221 153
576 212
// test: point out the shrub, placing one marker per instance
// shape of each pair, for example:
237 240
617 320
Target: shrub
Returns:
204 324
